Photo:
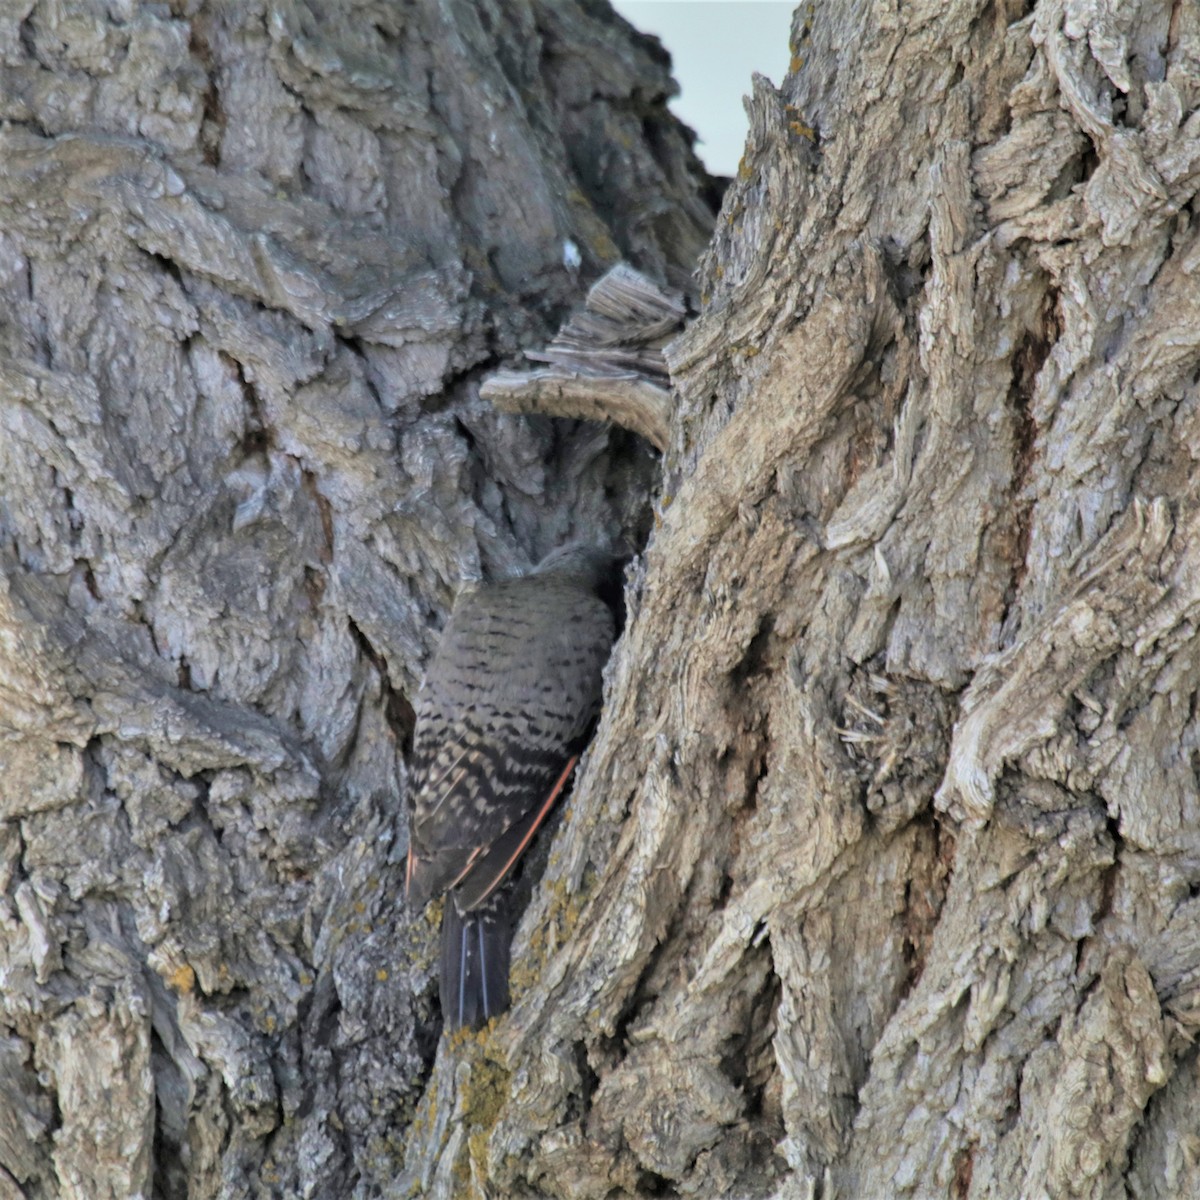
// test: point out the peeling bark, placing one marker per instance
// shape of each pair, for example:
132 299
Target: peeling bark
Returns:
606 363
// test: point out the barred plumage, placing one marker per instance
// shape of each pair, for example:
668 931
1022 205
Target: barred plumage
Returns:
507 703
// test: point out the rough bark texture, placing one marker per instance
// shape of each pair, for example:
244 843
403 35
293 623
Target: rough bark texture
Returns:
253 261
891 821
878 878
607 363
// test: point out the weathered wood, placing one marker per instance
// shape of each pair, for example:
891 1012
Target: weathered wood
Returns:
878 877
891 814
253 260
606 363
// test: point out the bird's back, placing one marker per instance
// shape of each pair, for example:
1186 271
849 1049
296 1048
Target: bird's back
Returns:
509 696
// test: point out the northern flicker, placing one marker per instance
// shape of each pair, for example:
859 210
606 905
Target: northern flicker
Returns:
507 704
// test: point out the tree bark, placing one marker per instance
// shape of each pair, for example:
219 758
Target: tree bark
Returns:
878 879
254 259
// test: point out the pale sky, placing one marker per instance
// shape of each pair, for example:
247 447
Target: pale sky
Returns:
715 46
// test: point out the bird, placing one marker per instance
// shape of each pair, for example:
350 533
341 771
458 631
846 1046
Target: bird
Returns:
508 702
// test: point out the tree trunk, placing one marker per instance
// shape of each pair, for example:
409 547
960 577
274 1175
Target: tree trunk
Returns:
878 878
254 260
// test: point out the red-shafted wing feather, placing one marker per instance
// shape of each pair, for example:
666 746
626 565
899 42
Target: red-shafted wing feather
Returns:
488 870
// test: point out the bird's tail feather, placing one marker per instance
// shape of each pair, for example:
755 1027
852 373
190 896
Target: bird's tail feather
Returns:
475 948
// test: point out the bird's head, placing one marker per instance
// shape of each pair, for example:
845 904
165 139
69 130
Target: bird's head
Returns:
593 565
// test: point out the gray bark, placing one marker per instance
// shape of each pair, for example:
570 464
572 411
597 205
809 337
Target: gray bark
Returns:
878 879
253 261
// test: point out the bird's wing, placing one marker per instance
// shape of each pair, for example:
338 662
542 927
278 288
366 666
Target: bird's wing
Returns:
492 789
490 865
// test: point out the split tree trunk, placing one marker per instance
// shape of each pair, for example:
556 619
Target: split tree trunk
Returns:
878 878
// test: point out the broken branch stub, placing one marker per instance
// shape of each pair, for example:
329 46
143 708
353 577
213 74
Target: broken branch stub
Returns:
606 363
